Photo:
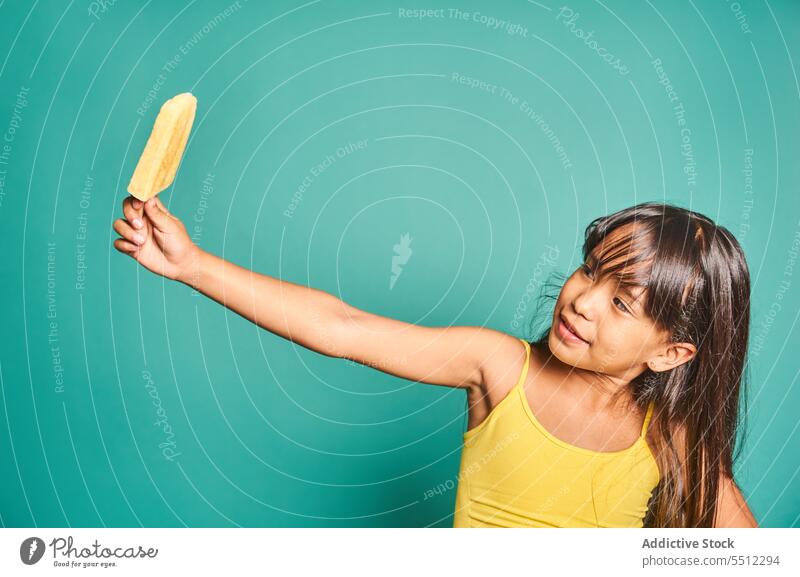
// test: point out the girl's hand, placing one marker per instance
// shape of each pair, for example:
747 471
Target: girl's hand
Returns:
155 238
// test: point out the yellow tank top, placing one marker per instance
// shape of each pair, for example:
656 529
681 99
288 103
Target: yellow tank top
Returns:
514 473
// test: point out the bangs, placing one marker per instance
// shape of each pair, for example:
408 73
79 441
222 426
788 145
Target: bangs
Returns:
649 253
625 255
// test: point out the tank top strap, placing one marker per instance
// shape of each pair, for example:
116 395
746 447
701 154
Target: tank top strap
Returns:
524 372
647 417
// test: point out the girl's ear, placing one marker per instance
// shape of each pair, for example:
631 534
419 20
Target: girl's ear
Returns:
674 354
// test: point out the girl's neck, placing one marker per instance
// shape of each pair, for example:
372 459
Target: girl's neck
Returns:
601 391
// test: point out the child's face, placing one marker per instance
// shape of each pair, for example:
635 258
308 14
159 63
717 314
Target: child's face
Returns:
618 338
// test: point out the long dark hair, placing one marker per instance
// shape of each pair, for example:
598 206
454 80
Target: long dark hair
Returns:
698 289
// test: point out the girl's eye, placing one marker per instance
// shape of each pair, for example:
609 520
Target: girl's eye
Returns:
622 306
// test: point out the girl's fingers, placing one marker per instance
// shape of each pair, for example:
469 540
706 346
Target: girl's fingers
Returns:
123 245
133 209
161 206
128 233
164 209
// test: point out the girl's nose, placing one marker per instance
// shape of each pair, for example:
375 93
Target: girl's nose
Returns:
586 302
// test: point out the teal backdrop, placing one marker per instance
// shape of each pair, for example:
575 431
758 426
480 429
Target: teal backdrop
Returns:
428 163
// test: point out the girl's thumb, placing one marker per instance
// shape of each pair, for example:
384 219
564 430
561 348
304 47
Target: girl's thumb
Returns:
157 216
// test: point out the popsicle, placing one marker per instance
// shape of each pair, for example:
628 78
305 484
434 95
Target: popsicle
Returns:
159 161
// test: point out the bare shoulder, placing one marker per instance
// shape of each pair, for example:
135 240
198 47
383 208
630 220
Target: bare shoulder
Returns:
502 360
731 507
503 365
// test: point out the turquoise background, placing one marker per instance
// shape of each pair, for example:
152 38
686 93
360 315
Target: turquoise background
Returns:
272 434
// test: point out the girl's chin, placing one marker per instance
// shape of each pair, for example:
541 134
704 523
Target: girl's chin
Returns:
570 355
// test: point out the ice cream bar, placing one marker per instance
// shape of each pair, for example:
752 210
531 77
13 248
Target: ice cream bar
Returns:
162 153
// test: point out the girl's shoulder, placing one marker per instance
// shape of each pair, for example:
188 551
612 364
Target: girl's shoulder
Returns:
503 366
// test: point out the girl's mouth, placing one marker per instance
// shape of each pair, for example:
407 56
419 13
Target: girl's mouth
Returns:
567 335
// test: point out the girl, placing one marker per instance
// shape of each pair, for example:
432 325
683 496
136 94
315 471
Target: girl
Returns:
623 413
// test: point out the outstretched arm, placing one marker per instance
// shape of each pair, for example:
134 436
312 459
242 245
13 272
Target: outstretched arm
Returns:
449 356
305 315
